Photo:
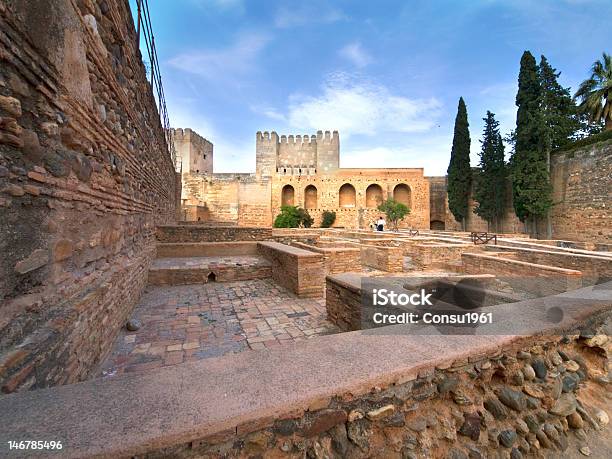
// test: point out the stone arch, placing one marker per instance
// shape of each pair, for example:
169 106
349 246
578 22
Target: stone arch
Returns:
403 194
288 196
347 195
374 195
437 225
310 197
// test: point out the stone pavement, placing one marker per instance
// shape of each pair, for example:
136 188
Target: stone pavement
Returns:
192 322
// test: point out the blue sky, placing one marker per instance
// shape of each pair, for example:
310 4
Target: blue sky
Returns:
386 74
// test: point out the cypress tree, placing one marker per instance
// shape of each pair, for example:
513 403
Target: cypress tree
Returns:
459 172
531 187
490 181
558 108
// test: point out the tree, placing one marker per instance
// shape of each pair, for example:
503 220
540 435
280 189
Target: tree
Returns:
558 108
490 181
293 217
459 172
595 93
328 219
395 211
530 179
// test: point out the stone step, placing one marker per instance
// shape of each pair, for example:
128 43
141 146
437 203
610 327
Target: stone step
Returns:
199 270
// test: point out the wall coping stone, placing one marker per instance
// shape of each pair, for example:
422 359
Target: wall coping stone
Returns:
135 413
302 253
569 272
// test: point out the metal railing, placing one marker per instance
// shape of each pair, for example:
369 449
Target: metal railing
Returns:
144 28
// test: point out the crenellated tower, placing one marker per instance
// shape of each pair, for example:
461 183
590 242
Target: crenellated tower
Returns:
297 154
266 153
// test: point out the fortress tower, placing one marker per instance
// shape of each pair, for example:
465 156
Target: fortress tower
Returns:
194 151
297 154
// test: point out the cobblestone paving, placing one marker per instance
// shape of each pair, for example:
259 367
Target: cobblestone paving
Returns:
192 322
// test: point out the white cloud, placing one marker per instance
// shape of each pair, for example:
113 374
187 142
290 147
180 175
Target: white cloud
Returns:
310 13
355 53
358 107
227 65
432 153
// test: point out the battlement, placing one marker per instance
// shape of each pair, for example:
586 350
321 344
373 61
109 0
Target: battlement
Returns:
328 137
297 154
267 137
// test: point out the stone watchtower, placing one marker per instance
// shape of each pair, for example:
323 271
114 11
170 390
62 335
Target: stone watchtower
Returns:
297 155
194 151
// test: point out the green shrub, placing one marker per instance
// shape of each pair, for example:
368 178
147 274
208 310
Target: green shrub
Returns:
293 217
328 219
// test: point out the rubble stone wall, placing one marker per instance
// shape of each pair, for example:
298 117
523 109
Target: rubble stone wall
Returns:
85 175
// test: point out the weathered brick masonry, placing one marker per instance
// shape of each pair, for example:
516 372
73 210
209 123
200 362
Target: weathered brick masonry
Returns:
85 175
582 193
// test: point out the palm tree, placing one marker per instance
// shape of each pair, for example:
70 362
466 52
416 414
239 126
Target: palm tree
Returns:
596 92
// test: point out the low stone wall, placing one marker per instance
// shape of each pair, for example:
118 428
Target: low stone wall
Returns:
347 395
200 274
343 301
390 259
205 249
534 278
432 255
336 260
194 233
594 267
298 270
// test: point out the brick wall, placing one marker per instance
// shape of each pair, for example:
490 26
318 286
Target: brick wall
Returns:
85 176
195 233
336 260
297 270
595 268
390 259
343 301
540 280
438 255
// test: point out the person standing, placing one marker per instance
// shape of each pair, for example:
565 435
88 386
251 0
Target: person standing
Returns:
380 224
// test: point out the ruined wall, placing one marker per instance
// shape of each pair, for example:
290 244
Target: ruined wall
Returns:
582 193
85 175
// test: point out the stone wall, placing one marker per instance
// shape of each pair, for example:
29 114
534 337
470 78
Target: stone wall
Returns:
302 171
360 395
195 233
582 194
336 259
85 175
194 153
357 213
300 271
594 268
536 279
389 259
437 255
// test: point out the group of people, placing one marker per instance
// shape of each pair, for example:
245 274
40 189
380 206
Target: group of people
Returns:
379 225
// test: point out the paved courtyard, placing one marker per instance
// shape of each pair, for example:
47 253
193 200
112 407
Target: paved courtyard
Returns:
192 322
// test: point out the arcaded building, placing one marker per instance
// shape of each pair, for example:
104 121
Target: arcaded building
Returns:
301 170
